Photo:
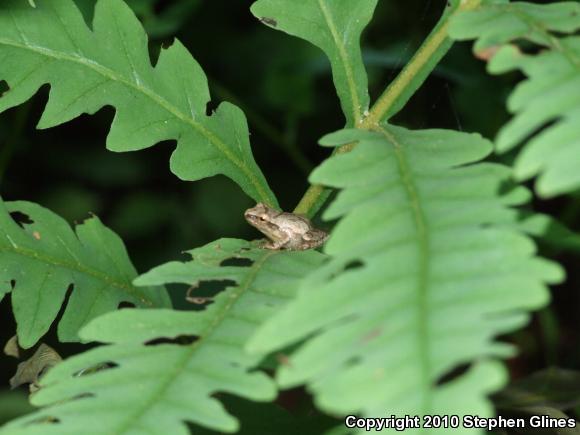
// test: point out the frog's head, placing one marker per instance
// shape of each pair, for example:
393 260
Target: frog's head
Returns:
259 213
260 216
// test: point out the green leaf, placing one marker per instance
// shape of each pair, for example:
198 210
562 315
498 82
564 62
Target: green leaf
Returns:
159 387
534 39
40 261
550 231
110 65
424 272
13 404
418 68
335 26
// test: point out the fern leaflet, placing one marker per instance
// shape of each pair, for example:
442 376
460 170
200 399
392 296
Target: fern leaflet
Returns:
335 27
551 93
110 65
159 387
41 259
424 272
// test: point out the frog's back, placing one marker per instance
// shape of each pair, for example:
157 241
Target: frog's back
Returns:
293 223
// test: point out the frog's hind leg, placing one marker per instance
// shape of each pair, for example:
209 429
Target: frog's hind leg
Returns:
314 238
275 246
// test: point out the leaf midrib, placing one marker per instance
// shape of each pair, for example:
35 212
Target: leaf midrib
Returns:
421 226
156 98
75 267
534 24
217 319
344 60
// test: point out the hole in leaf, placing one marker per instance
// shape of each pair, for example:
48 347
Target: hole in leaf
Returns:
237 262
351 265
107 365
64 304
213 288
4 87
211 107
21 218
269 21
202 295
42 420
183 340
527 47
126 304
355 264
453 374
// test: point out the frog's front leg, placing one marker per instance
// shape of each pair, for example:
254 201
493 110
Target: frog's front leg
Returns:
278 244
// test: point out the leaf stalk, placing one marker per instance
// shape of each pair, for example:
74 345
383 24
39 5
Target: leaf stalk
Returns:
399 91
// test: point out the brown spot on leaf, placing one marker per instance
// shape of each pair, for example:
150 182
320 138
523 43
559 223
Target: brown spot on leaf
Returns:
371 335
198 300
487 53
283 359
36 235
269 21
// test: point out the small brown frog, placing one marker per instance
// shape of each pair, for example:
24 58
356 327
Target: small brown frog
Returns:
284 230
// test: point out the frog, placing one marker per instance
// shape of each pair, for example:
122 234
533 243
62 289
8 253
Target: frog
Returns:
284 230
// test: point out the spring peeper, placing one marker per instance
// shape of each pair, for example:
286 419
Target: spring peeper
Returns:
284 230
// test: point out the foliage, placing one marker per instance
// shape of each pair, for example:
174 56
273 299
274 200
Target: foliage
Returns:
13 405
429 258
110 65
419 250
335 27
43 257
538 40
160 386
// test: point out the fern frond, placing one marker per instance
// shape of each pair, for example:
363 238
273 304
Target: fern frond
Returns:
539 41
110 65
424 272
40 260
156 388
335 27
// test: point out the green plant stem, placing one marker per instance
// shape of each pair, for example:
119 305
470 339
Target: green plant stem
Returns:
397 93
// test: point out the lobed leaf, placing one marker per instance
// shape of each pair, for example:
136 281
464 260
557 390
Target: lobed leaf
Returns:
161 386
335 26
424 272
41 259
537 40
109 64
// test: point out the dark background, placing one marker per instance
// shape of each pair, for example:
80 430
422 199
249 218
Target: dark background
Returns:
284 86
